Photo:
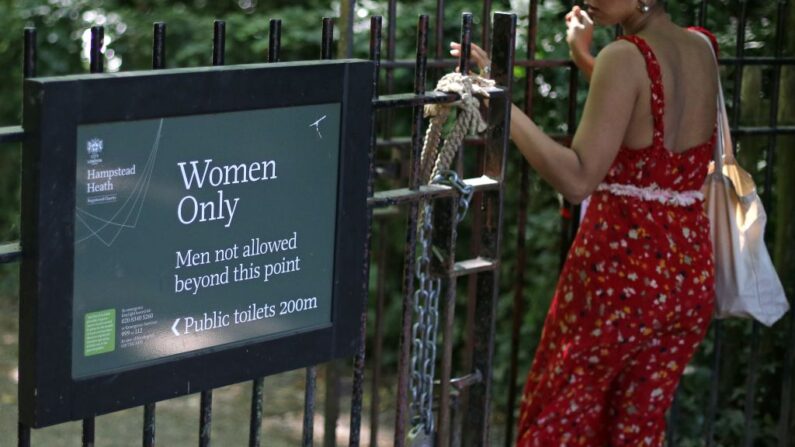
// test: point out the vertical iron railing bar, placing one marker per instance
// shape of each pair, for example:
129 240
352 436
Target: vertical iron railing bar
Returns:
778 49
206 396
255 418
439 54
712 404
331 403
88 432
205 418
150 426
787 396
444 240
738 73
521 249
673 418
750 387
391 34
96 62
475 207
274 39
786 381
466 40
219 42
485 29
96 65
474 247
401 413
378 336
158 62
786 387
326 42
258 384
29 66
474 243
463 67
23 435
478 411
359 358
469 324
702 14
327 38
29 59
159 46
309 407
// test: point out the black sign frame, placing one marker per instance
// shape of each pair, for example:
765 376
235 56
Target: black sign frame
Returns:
53 110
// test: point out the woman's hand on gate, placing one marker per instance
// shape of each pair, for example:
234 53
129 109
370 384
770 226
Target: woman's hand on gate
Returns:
579 36
476 54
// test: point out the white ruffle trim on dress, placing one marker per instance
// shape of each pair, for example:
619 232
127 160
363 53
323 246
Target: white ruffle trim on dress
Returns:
653 193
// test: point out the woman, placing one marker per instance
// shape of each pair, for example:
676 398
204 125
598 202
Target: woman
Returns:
635 296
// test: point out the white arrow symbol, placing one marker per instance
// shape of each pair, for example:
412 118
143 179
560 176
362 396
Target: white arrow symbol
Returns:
174 327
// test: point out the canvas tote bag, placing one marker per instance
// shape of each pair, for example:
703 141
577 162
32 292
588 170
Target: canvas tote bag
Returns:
746 282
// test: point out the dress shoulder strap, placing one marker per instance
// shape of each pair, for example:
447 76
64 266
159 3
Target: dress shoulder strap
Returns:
709 34
657 93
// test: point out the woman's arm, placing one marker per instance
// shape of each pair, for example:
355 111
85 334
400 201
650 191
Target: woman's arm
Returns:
575 172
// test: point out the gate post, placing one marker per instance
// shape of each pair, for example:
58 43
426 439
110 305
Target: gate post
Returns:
476 429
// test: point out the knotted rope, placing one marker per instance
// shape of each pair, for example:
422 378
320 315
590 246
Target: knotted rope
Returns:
433 161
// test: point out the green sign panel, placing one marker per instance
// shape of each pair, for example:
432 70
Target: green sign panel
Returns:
201 231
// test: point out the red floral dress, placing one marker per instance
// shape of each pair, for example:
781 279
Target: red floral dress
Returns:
633 301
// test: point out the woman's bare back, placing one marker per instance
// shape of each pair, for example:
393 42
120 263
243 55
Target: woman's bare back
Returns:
690 86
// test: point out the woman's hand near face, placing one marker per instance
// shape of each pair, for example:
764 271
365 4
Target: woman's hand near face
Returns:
579 35
477 56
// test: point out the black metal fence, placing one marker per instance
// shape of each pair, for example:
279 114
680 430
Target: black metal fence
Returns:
464 403
483 267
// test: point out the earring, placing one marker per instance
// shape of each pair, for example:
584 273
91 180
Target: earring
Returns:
644 7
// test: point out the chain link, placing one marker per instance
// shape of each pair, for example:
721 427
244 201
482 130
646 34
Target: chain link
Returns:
426 308
450 178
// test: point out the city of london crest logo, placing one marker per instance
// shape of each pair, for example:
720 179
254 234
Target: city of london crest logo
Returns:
94 149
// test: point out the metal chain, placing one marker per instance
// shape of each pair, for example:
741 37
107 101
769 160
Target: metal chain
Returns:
426 310
426 318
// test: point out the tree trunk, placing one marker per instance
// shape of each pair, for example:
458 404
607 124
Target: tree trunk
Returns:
345 29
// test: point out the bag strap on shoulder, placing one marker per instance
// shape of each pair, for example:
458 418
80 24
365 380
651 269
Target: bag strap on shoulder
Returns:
723 144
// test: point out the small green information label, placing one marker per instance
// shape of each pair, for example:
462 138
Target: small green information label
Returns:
100 332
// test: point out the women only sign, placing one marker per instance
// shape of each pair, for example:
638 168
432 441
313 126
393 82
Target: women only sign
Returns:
192 230
223 230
